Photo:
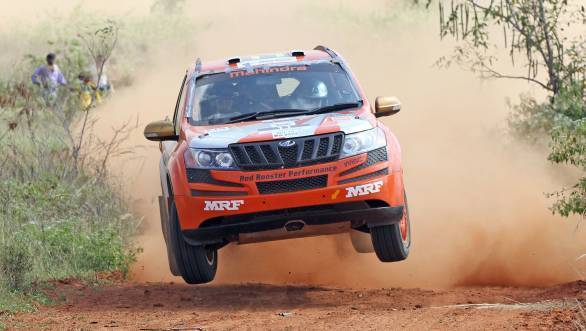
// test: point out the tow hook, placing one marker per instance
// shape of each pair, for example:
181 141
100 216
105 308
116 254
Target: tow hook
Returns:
294 226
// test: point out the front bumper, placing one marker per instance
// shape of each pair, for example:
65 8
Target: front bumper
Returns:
357 214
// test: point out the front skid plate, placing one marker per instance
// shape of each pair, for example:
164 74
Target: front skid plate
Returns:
372 217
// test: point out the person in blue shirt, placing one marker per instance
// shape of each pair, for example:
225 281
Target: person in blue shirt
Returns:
49 78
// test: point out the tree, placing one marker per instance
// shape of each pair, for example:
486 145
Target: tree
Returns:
545 39
100 43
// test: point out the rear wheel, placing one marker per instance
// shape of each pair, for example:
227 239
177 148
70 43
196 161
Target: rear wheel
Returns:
196 264
392 242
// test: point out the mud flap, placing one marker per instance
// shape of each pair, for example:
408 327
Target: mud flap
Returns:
361 241
165 227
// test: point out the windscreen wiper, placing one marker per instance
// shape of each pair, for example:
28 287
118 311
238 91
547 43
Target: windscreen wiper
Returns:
292 111
263 115
337 106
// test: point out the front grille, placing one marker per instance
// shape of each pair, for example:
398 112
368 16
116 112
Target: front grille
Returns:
379 173
289 155
292 185
205 176
296 152
374 157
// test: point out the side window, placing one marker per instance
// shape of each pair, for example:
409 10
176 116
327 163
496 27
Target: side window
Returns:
287 86
178 106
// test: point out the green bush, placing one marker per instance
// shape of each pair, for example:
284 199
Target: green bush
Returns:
560 123
15 264
74 227
56 220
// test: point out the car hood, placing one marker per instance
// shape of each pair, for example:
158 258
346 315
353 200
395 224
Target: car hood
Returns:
220 136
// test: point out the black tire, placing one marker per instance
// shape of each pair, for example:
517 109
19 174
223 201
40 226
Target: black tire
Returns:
164 214
389 244
165 228
196 264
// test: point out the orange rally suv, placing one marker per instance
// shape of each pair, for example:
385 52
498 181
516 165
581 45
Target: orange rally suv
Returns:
277 146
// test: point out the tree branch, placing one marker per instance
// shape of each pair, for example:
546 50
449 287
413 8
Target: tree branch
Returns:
496 74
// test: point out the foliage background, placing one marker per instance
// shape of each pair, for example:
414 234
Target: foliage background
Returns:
62 218
546 44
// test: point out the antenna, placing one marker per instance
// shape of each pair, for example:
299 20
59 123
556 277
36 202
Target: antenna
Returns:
198 65
322 48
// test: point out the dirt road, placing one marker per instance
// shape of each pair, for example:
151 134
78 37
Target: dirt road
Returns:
171 306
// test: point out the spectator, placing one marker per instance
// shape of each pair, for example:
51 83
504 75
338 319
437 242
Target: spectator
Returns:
88 93
104 84
49 77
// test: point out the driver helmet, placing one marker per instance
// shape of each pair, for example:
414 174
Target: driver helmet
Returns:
318 90
215 100
312 95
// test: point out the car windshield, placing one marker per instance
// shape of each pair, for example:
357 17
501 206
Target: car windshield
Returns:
224 97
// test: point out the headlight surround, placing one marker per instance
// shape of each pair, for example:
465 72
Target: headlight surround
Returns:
209 159
363 142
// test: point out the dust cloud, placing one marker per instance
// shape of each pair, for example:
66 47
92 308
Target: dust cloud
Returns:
479 214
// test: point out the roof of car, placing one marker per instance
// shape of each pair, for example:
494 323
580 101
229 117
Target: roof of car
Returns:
263 59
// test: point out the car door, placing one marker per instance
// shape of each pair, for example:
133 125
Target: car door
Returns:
167 149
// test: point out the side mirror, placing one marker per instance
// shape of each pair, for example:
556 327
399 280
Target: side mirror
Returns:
159 131
386 106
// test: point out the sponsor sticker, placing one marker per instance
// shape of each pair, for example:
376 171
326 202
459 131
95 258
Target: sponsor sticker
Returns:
220 129
222 205
286 133
286 174
364 189
285 128
335 194
352 161
269 70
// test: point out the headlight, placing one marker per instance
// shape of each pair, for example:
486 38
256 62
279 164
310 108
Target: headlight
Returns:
209 159
364 141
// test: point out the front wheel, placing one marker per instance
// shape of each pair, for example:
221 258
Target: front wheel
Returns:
196 264
392 242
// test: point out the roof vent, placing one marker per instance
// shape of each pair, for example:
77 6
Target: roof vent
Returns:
297 53
234 60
